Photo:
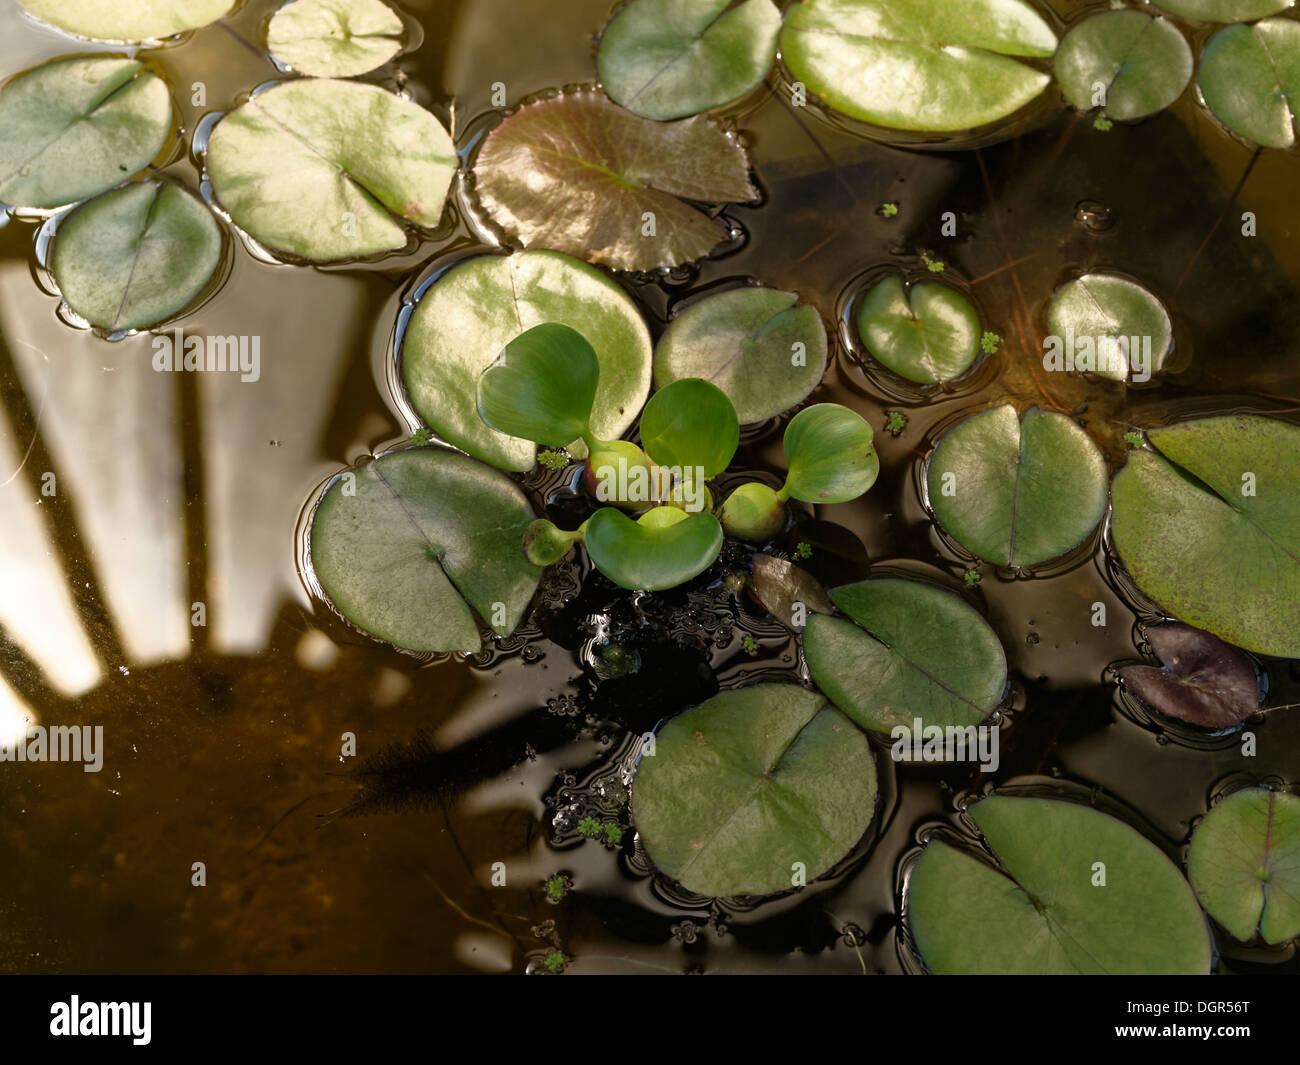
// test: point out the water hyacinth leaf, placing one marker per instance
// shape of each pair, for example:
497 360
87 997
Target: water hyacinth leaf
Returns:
748 784
912 650
669 59
666 548
1108 325
1249 76
828 454
1208 524
407 547
135 256
753 512
787 592
542 386
581 175
1223 10
76 127
334 38
1144 64
327 169
1244 864
1015 493
690 423
927 332
927 65
1203 680
139 20
472 312
763 348
1044 913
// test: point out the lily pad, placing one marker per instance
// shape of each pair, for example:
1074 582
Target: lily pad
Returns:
1144 64
927 65
912 650
1223 10
76 127
327 169
1249 76
334 38
1078 892
409 546
1244 863
690 423
763 348
1203 680
581 175
828 455
751 787
667 547
139 20
473 311
672 58
1108 325
927 332
1208 524
1017 494
135 256
542 386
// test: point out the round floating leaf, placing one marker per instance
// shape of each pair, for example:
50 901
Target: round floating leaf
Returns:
1244 864
673 58
1017 494
542 386
334 38
759 345
76 127
927 65
1047 912
928 332
1223 10
405 546
581 175
474 310
1202 679
828 455
325 169
690 423
135 256
1209 527
138 20
666 548
911 651
748 784
1108 325
1249 75
1144 64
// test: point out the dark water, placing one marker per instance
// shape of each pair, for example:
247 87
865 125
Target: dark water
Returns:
223 741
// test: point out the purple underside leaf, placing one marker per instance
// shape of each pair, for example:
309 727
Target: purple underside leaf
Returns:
1202 681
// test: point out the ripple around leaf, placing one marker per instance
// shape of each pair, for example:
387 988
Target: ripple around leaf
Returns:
927 332
127 20
334 38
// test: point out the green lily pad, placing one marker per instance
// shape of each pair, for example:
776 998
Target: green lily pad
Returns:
763 348
750 788
690 423
1048 911
1017 494
581 175
1144 64
1249 76
927 65
76 127
328 169
334 38
1244 864
927 332
828 455
1208 524
474 310
1222 10
667 547
542 386
1108 325
407 547
912 650
672 58
135 256
138 20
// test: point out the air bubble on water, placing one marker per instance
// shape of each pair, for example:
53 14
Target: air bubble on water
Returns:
1093 216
